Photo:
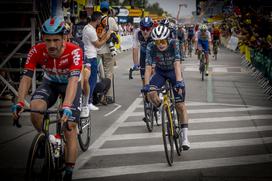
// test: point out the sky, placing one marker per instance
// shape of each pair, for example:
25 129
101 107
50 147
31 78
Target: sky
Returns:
171 6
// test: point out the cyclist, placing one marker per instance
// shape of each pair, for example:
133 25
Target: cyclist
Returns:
203 41
164 53
62 64
191 34
181 39
142 36
216 35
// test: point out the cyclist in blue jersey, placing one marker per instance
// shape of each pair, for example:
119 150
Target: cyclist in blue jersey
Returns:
165 55
203 41
142 36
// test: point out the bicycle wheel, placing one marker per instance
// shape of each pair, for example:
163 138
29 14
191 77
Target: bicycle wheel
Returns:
149 116
84 136
167 136
176 130
39 163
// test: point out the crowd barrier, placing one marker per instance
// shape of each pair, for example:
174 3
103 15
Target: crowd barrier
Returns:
258 62
126 42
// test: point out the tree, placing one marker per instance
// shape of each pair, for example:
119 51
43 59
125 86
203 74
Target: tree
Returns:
135 3
155 8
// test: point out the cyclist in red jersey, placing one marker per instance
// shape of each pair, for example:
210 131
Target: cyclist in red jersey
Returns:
62 63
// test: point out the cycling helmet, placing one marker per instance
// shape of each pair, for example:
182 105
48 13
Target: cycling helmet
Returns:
53 26
104 5
203 27
146 22
160 33
165 22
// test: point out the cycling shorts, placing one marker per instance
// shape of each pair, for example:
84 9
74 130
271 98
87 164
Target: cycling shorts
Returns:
159 79
49 92
203 44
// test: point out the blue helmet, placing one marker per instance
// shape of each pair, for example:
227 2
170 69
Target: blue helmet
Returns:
53 26
146 22
104 5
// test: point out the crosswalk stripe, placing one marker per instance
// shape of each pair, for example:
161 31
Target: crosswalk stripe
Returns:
196 145
219 69
178 166
206 104
223 110
193 132
208 120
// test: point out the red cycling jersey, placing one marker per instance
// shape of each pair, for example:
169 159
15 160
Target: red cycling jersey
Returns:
55 69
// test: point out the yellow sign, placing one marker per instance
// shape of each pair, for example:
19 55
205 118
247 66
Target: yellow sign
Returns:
135 12
82 2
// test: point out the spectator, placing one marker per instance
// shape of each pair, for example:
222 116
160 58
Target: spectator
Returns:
104 52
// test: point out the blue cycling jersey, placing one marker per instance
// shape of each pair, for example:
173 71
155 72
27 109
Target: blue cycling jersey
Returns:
163 60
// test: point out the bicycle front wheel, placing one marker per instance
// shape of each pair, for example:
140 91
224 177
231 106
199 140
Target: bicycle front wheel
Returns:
39 162
167 136
149 116
84 136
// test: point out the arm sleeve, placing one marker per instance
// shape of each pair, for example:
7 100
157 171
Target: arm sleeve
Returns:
31 62
76 64
136 42
148 58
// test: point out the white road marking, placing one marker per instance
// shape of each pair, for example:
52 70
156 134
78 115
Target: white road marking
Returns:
208 120
118 106
181 165
195 145
219 69
84 157
223 110
193 132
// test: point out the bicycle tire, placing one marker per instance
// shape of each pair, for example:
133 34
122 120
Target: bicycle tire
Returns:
176 130
47 166
84 139
167 136
149 116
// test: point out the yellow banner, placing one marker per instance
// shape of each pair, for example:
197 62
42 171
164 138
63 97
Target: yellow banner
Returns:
135 12
82 2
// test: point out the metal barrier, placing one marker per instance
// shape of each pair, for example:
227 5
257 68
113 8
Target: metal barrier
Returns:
260 66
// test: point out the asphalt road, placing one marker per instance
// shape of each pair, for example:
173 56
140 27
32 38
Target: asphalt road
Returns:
230 131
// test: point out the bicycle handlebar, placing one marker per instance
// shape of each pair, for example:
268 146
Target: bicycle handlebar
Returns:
16 122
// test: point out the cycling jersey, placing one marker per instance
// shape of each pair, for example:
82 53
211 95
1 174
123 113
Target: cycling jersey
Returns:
206 36
216 34
57 70
163 60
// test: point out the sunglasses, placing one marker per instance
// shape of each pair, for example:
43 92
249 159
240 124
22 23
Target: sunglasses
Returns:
145 28
161 42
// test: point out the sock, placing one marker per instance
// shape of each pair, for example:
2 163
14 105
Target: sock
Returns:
185 133
69 167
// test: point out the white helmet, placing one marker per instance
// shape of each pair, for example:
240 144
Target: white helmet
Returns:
203 27
160 33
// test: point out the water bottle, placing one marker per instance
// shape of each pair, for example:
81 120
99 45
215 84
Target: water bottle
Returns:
56 141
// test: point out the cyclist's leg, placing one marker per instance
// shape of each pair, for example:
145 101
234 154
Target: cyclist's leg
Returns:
205 45
86 85
43 98
182 112
157 81
71 136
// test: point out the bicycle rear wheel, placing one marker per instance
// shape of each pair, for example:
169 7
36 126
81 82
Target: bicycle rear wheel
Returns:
84 135
39 163
167 136
149 115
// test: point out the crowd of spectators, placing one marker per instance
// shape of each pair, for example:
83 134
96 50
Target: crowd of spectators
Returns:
252 29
